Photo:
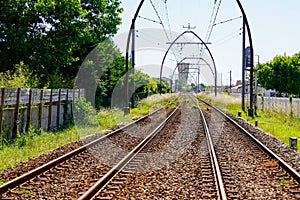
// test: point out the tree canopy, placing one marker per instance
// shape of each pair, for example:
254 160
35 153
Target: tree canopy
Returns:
66 43
53 37
281 74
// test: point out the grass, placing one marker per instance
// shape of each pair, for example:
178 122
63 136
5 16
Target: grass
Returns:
279 125
12 154
35 142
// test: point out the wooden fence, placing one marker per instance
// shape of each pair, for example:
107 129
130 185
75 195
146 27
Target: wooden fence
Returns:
45 109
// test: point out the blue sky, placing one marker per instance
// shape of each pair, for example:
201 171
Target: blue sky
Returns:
274 25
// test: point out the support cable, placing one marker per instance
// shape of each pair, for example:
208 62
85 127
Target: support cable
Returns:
163 26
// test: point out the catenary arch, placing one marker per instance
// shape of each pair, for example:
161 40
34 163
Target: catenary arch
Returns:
132 28
210 54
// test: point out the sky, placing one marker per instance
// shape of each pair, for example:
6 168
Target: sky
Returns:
274 26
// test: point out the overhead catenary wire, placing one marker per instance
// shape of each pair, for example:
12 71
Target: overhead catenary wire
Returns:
151 20
227 40
229 20
213 19
168 20
169 38
228 37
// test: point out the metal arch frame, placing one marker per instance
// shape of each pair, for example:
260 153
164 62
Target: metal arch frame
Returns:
132 28
250 111
171 45
250 43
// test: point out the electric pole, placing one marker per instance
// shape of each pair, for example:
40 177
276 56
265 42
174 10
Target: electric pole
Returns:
133 63
243 64
230 79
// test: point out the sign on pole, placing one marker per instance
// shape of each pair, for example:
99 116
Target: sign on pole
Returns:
248 57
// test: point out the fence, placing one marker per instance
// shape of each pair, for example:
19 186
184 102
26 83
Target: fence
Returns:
45 109
283 105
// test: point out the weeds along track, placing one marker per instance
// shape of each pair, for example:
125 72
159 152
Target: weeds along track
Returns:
249 170
69 175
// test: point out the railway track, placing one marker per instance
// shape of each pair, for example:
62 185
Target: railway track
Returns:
249 168
192 154
178 163
62 177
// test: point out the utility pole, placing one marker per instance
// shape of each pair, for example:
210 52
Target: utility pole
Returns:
243 64
255 86
230 79
198 84
133 63
126 93
221 84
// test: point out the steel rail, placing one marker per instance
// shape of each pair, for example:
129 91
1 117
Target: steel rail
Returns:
283 164
31 174
213 155
119 166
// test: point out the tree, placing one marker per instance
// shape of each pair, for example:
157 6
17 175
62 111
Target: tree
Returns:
202 87
281 74
100 72
53 37
21 78
165 86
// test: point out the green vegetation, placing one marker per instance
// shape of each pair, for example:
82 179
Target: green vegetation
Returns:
20 78
194 106
67 44
23 190
53 37
281 74
280 125
31 145
36 142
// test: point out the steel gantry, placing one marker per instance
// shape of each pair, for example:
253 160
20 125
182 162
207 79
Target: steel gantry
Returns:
171 45
132 27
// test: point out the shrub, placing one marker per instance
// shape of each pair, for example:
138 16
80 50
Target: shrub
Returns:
84 113
21 78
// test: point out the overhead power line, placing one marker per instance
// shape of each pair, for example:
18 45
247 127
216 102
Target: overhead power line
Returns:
151 20
169 37
229 20
213 19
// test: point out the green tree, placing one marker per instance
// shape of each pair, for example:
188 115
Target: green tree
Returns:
281 74
21 78
99 74
143 84
53 37
165 86
108 81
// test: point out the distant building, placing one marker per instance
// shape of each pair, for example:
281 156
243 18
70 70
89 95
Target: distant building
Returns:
238 82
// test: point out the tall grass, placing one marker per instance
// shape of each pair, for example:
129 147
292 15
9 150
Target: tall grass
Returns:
19 151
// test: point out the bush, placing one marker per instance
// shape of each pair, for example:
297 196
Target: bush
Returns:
21 78
84 113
